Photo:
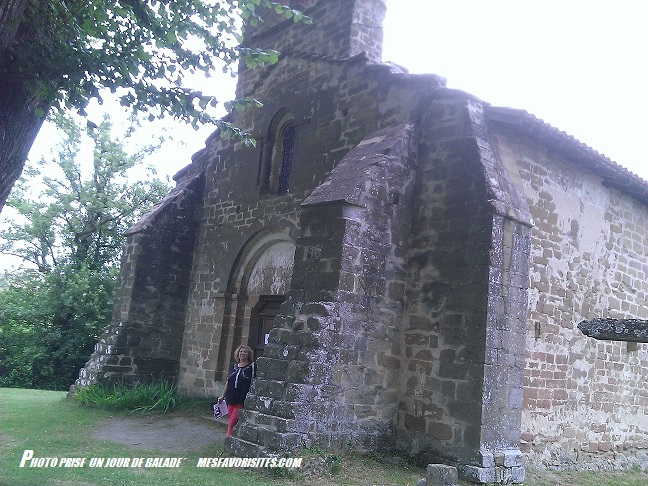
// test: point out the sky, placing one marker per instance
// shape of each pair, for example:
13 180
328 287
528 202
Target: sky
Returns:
580 66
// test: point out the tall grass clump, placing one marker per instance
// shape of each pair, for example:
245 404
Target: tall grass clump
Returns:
159 395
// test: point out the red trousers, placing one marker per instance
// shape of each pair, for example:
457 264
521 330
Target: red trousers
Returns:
232 412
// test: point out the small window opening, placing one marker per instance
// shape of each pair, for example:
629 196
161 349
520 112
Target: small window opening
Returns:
276 164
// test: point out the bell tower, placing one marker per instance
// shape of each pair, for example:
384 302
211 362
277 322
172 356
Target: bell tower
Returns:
340 29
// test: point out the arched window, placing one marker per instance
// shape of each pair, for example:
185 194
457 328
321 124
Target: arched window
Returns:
278 152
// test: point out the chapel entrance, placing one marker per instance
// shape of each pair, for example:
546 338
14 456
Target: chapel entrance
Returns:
258 286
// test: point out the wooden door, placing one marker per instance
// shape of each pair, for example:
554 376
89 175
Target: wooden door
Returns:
267 310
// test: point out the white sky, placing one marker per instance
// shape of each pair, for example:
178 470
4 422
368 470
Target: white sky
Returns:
579 65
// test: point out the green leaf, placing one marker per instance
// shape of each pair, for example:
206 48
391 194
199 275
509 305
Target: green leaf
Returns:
72 232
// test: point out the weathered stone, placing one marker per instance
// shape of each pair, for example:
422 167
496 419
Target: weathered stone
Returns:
632 330
408 260
441 475
480 475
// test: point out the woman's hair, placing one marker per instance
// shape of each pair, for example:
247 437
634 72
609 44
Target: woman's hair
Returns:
249 350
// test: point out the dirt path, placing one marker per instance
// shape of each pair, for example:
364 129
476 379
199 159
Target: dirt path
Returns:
169 434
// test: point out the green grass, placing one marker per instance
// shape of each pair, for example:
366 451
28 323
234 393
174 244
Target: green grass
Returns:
159 395
53 425
56 426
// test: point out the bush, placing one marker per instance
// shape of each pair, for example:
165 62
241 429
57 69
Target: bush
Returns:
50 323
160 395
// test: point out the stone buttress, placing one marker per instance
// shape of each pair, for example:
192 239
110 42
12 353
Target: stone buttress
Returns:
144 340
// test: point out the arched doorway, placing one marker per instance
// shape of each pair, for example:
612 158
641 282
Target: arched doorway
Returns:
267 283
258 285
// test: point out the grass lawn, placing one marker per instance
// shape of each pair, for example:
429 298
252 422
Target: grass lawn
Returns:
52 425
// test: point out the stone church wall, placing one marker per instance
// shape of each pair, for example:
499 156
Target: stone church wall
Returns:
465 302
584 400
340 29
447 287
144 339
343 352
402 247
333 105
329 377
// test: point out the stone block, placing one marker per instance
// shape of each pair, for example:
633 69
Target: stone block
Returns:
456 371
247 432
417 339
242 448
518 474
263 404
418 322
259 418
314 323
306 339
488 459
440 431
294 392
283 425
441 475
414 423
269 388
283 409
508 458
279 441
272 369
281 336
477 474
296 372
389 361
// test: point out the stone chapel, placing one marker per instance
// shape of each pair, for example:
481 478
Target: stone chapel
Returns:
408 262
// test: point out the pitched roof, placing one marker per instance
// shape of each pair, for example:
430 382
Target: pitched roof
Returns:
613 174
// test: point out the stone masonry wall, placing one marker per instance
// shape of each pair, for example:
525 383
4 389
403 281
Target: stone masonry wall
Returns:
329 377
585 401
144 340
462 250
438 321
334 105
340 29
465 300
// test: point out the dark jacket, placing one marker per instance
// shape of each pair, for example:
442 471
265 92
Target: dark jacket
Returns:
238 383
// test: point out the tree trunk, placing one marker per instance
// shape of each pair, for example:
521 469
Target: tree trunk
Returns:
19 126
19 123
11 12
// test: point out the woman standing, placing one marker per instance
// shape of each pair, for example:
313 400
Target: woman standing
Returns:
238 384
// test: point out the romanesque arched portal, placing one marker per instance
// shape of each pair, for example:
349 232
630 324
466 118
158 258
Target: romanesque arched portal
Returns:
257 286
